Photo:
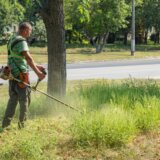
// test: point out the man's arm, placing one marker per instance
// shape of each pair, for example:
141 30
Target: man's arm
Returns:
32 64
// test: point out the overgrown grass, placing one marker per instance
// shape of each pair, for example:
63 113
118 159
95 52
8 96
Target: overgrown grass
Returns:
115 112
112 127
120 110
31 143
126 94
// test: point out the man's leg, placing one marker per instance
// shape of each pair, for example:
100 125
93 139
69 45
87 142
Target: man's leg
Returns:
11 106
23 97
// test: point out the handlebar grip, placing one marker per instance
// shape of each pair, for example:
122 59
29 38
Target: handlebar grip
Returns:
44 71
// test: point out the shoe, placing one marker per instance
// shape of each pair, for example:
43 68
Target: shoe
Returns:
20 125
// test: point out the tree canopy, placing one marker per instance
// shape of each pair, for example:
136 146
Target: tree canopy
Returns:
11 12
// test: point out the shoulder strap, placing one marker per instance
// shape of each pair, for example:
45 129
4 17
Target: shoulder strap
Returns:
14 43
10 50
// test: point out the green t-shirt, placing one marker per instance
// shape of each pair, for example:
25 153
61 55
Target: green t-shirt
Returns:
16 59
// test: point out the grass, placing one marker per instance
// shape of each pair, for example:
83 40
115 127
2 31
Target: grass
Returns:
116 115
104 129
87 53
126 94
32 143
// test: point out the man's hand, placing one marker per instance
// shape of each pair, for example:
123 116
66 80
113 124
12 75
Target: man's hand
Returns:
42 69
41 75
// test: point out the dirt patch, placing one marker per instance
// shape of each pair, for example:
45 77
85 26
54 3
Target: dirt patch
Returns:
144 147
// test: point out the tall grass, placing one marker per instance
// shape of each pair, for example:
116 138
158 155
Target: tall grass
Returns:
126 94
119 111
115 113
112 128
147 116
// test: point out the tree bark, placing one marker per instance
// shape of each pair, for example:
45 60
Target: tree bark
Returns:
54 23
101 42
158 33
145 37
125 38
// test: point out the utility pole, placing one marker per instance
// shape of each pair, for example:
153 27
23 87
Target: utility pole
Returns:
133 29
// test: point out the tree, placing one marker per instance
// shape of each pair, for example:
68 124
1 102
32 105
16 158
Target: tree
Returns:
151 12
29 9
52 14
109 16
76 18
10 13
39 31
141 26
98 17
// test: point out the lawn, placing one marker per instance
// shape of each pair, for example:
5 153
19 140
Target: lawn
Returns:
87 53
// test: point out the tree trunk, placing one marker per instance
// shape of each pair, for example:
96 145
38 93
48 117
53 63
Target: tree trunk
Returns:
125 38
101 42
145 37
54 23
158 33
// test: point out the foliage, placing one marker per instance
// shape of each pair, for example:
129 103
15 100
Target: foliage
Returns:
11 12
96 18
39 30
76 13
151 12
29 9
86 18
31 15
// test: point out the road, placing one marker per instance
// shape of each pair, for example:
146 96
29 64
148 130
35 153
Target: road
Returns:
119 69
137 68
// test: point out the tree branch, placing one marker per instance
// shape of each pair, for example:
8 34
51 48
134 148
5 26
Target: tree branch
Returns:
42 8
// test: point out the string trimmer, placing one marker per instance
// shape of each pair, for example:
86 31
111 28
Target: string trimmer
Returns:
5 74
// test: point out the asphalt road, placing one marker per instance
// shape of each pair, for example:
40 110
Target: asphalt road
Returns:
137 68
119 69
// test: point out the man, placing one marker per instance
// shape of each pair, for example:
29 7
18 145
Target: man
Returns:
19 58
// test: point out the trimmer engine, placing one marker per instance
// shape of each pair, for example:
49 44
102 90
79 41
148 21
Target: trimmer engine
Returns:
5 72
